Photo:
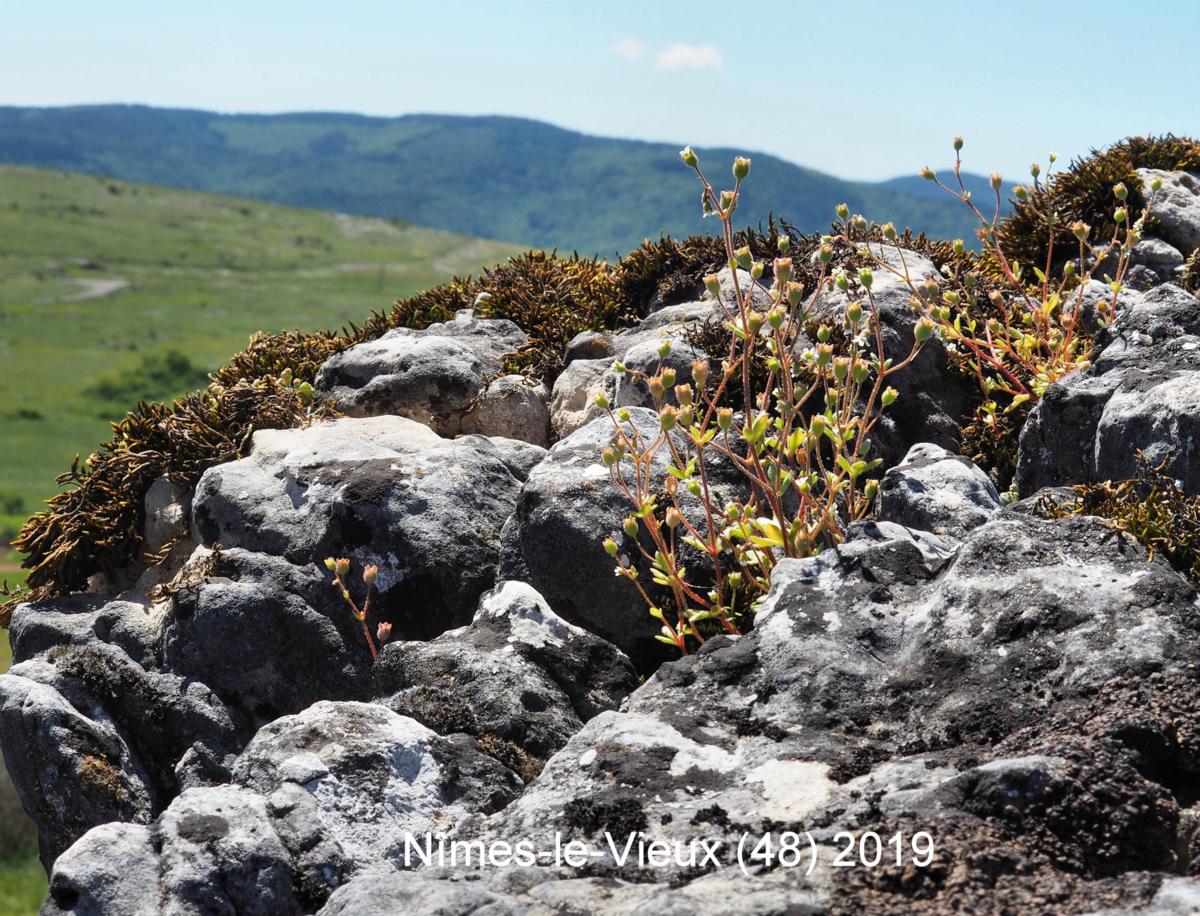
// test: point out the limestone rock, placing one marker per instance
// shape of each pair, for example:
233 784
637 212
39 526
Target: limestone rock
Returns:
936 490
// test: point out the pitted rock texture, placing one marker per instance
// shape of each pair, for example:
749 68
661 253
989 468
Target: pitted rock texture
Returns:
385 491
519 678
1141 393
91 736
435 376
374 776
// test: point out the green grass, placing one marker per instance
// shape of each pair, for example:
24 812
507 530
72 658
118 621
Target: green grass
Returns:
201 274
22 884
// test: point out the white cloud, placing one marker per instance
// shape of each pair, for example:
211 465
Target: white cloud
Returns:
689 57
629 48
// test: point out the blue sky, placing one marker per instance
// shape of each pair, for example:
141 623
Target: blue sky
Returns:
862 90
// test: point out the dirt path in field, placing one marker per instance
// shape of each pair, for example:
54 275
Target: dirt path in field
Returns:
95 289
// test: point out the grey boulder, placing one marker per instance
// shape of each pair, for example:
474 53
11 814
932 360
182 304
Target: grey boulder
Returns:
375 776
1141 393
383 490
435 375
938 491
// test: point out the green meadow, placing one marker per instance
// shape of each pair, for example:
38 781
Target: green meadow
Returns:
112 291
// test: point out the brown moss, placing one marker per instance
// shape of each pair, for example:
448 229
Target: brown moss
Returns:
1152 508
1084 192
102 778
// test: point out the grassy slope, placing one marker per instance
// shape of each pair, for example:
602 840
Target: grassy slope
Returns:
494 177
202 274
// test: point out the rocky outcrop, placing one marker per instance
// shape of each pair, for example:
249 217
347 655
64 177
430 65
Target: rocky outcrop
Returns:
1004 701
1141 394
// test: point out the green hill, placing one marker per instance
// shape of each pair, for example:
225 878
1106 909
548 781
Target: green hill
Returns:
111 292
493 177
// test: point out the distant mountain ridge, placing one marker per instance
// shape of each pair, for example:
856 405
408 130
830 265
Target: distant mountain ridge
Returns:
495 177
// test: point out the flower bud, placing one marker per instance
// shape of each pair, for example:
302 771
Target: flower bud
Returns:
1156 185
712 283
756 269
842 281
889 231
795 292
727 199
776 317
923 330
960 246
1069 269
997 181
370 573
725 418
304 391
623 414
674 517
823 333
841 367
609 457
1080 229
1120 191
601 400
331 564
683 394
664 348
667 419
783 270
865 277
928 174
668 377
784 243
854 312
700 372
1021 193
1120 214
384 632
754 322
861 372
825 253
741 168
889 396
843 211
343 567
689 157
1035 169
817 425
824 354
871 490
958 144
285 378
610 547
951 297
657 388
743 257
